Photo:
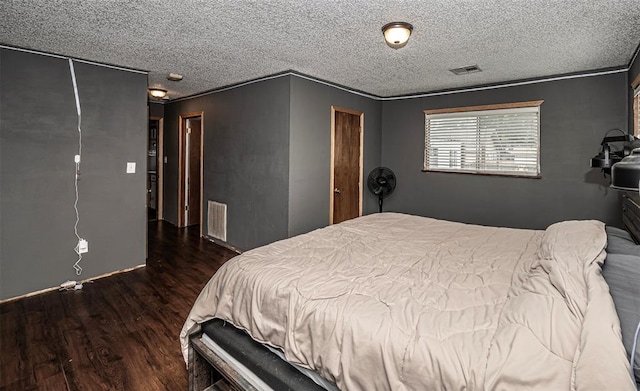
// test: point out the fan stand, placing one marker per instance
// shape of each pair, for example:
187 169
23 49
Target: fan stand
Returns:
381 182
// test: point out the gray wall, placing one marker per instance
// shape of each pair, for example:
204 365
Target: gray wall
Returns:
246 159
156 109
310 150
267 155
574 117
38 140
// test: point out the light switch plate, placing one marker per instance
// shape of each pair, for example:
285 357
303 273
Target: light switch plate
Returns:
131 168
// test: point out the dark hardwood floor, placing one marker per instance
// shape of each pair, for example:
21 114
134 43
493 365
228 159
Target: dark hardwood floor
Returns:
119 332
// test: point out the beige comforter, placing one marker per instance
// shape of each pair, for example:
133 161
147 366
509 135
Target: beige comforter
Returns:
399 302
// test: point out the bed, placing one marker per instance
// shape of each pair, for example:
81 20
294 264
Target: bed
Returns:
398 302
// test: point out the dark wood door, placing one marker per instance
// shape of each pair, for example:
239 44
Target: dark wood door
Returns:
189 171
346 166
193 176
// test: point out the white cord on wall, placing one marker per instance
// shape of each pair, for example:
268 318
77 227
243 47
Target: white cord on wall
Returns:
77 159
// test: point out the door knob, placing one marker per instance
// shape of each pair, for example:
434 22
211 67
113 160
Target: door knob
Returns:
336 190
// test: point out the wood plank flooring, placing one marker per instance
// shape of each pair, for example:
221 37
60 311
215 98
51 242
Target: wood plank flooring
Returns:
119 332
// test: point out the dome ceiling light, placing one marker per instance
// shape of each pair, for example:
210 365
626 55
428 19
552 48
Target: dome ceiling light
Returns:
158 93
396 34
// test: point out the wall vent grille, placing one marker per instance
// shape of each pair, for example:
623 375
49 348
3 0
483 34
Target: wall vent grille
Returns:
217 220
466 70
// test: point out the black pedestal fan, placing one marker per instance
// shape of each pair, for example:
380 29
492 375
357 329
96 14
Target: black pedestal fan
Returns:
381 182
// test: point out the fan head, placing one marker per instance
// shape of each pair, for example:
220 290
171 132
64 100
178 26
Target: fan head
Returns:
381 181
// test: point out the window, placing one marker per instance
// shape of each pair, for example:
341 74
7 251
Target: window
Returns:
495 139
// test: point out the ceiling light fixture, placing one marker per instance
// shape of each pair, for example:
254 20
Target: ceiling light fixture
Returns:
174 77
157 92
396 34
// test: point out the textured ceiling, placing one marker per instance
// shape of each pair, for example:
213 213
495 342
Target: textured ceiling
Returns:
219 43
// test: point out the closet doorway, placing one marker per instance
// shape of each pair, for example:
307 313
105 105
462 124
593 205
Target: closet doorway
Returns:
154 169
190 170
347 130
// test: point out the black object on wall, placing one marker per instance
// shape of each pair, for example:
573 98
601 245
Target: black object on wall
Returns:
609 156
39 138
625 175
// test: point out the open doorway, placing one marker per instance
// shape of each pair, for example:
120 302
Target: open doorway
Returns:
190 170
154 169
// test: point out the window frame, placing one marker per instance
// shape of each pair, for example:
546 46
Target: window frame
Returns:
635 87
487 108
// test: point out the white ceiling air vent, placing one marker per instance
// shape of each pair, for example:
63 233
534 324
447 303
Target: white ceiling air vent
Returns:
466 70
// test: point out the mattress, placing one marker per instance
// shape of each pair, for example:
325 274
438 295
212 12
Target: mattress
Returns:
393 301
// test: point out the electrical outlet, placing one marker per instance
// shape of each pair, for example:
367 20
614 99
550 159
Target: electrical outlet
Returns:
131 168
83 246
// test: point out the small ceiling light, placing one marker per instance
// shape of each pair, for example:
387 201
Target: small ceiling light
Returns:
397 34
157 92
174 77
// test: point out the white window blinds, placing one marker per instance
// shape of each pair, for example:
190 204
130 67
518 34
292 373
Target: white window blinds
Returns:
500 141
